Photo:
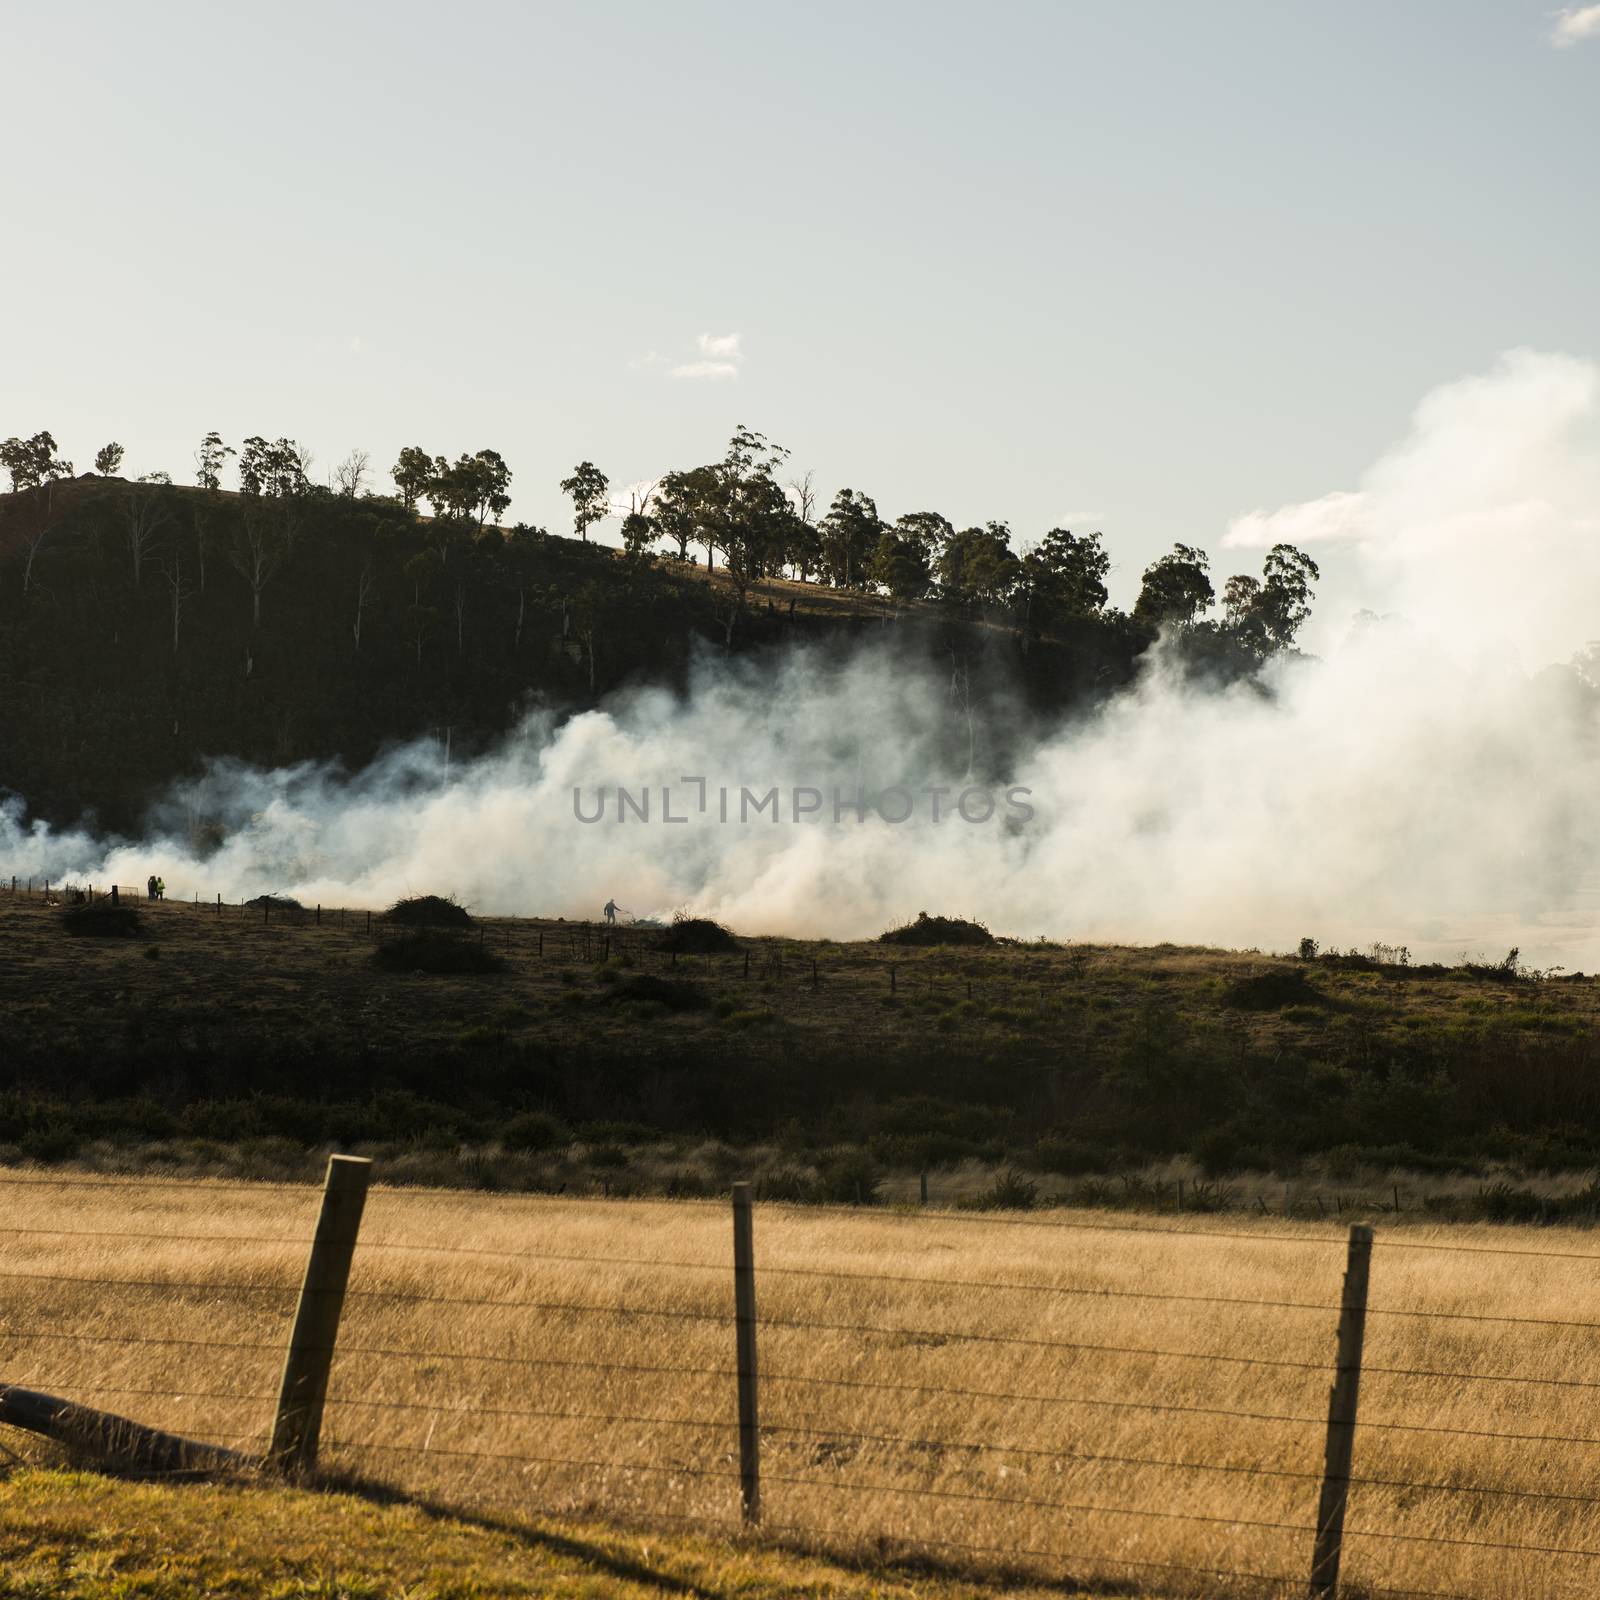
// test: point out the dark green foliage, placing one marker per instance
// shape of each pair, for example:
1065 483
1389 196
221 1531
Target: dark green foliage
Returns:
928 930
673 994
1010 1191
848 1176
101 921
441 953
696 936
1072 1157
324 626
428 911
1273 990
1507 970
535 1130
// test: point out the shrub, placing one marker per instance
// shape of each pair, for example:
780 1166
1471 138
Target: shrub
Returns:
618 1133
928 930
101 921
440 953
675 994
534 1130
1508 969
921 1152
1308 949
849 1176
1070 1157
1010 1191
1272 991
696 936
1502 1202
428 911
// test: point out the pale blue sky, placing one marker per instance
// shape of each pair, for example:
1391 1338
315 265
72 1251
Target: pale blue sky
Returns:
1142 266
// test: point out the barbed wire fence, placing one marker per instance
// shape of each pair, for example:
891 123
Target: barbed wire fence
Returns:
830 1407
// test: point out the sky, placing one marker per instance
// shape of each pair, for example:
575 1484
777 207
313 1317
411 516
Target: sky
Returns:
1147 266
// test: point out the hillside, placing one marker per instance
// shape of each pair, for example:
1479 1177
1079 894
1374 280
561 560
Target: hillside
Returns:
243 1040
146 629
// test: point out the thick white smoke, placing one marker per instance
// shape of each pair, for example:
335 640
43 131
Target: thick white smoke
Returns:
1430 781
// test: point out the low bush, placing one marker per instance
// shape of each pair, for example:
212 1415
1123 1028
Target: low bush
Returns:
675 994
1272 991
428 911
696 936
438 953
928 930
1010 1191
849 1176
1070 1157
101 921
535 1130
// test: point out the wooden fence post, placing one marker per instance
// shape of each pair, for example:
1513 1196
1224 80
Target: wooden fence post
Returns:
304 1390
744 1298
1342 1400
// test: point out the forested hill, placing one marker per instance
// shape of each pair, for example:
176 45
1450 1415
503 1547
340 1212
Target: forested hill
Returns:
146 627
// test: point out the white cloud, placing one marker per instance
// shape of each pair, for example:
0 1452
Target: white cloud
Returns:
722 358
1340 515
706 369
1575 23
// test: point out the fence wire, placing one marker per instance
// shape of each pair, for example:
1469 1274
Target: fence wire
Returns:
862 1426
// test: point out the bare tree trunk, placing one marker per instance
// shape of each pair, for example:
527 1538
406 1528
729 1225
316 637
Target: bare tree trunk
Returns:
363 596
180 592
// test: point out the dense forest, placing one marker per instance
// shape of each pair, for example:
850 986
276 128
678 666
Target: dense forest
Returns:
147 625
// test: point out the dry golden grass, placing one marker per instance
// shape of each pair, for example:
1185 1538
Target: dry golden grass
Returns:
470 1372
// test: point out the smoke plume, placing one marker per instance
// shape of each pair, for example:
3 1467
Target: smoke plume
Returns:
1428 780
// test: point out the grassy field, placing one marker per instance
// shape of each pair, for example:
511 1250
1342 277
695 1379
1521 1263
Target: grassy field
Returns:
77 1536
1073 1399
224 1042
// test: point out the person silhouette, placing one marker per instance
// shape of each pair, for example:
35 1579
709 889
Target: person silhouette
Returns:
611 910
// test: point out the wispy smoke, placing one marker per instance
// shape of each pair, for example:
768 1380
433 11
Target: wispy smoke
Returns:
1430 781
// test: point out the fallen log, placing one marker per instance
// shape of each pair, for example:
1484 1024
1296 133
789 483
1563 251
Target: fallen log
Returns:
117 1441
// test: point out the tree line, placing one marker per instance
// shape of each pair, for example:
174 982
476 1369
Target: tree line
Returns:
745 508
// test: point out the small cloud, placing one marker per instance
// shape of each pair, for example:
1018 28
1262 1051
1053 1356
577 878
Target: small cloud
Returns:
354 344
713 370
1340 515
723 357
651 358
1574 24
